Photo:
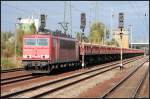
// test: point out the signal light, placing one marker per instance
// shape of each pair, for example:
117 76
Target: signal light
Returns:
83 20
121 20
43 21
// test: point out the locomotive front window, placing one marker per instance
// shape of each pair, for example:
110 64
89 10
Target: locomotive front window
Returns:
42 42
30 41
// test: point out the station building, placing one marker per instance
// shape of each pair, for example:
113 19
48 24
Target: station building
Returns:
125 39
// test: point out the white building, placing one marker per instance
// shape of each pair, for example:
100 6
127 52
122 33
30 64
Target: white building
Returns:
26 23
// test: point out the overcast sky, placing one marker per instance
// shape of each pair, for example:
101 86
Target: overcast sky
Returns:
134 14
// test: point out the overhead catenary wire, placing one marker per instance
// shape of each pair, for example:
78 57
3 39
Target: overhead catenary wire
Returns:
35 13
134 7
142 15
22 10
73 6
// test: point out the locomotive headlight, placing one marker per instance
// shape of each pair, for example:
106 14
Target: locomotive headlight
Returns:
44 56
41 56
24 56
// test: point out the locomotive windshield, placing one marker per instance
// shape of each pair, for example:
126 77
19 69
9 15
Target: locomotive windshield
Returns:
42 42
30 41
36 42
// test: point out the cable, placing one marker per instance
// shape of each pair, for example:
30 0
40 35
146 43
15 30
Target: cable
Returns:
144 16
15 7
134 7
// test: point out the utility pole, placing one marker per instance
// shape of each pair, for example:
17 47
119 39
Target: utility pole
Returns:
96 11
90 23
71 17
111 20
15 42
144 51
131 35
104 35
65 11
64 23
18 23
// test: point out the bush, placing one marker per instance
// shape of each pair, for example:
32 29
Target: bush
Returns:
7 63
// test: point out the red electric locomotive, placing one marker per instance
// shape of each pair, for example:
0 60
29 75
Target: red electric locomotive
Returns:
42 53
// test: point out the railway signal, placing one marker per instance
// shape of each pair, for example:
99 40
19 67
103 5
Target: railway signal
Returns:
121 26
121 20
82 27
83 21
42 21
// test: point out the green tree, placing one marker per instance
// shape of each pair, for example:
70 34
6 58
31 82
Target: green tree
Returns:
20 34
85 39
9 50
7 44
78 36
97 31
32 28
113 42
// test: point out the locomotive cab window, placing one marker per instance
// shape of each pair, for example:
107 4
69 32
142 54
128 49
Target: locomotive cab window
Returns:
42 41
30 41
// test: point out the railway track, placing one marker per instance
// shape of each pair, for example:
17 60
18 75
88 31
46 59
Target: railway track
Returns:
10 78
30 77
12 70
135 95
55 85
18 79
142 92
128 87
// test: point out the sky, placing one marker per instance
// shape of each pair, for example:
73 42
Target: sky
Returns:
136 13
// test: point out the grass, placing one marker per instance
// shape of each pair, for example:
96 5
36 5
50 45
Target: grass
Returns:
10 63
